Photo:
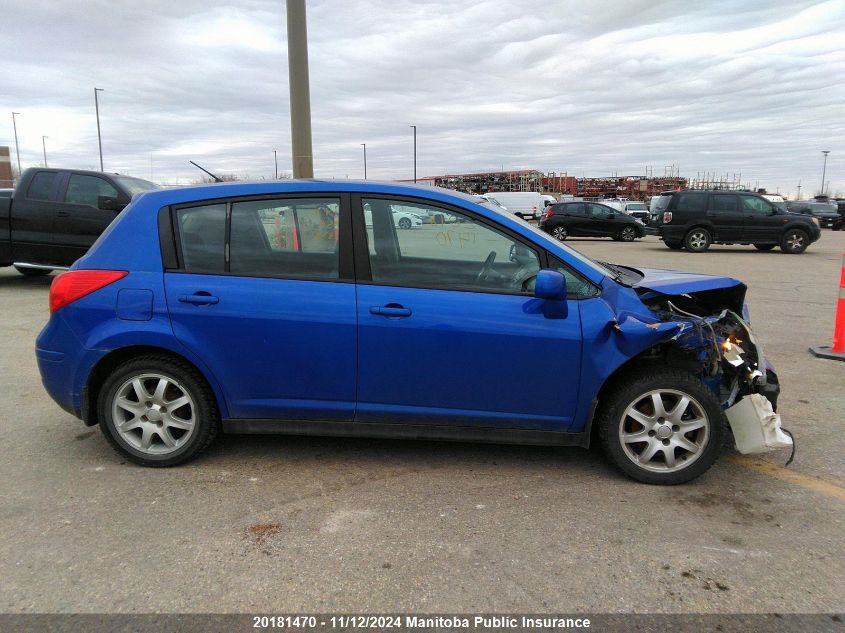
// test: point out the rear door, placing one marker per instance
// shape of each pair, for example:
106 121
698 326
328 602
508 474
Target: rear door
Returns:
78 222
32 219
727 217
265 297
449 331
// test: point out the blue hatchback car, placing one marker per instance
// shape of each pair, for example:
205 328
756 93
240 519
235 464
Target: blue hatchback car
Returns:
303 308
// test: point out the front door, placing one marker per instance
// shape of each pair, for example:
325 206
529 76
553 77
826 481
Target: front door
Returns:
274 321
78 220
449 331
762 221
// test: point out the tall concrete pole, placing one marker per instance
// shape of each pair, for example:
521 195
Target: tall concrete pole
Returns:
44 147
365 160
300 93
17 149
824 168
415 152
99 138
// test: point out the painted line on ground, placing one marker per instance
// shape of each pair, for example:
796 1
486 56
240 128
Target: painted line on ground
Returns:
790 476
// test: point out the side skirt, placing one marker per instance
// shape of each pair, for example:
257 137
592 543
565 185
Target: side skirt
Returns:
406 431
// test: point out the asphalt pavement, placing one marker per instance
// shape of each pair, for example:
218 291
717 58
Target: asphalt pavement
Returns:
286 524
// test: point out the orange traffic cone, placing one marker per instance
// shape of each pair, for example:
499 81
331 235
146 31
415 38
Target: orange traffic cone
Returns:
836 351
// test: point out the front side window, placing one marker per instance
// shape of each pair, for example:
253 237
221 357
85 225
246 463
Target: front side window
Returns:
755 205
87 189
285 237
456 253
41 186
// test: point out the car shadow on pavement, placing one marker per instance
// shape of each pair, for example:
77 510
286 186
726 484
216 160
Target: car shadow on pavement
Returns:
21 281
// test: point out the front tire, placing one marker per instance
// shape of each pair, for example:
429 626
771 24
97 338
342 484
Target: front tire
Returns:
33 272
661 426
794 242
628 234
157 411
698 240
560 233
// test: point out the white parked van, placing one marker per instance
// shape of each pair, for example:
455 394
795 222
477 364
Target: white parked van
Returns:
525 204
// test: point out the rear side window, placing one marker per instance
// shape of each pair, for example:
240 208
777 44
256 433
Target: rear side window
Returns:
690 202
723 202
202 236
294 237
41 186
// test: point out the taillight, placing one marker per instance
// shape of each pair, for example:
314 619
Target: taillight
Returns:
75 284
549 213
667 217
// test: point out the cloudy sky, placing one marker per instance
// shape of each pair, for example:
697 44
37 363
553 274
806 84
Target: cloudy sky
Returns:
601 87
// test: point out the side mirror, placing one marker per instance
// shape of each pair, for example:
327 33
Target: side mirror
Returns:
107 203
550 285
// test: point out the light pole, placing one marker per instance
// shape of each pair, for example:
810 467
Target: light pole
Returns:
17 149
99 138
364 145
824 168
300 95
44 147
276 163
415 152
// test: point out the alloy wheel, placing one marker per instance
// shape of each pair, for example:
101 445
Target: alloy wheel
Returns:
153 413
664 431
628 234
559 233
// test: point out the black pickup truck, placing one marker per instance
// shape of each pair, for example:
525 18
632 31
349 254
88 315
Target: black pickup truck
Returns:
55 215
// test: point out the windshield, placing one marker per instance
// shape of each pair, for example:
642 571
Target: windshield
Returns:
136 185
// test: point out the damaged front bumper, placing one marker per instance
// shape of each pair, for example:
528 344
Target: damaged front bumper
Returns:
722 347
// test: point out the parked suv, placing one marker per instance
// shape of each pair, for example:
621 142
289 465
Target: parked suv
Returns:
275 308
827 213
695 219
589 219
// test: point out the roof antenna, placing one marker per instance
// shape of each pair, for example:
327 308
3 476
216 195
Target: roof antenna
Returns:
216 179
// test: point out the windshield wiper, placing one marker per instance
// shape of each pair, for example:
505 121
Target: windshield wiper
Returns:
617 276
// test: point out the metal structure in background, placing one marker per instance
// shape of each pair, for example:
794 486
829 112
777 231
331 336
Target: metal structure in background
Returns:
276 165
824 169
300 94
44 147
415 152
17 149
99 138
365 160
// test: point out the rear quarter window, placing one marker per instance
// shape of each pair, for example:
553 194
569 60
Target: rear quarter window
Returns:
691 202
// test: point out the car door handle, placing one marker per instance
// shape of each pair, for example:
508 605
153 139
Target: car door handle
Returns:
390 310
62 214
199 299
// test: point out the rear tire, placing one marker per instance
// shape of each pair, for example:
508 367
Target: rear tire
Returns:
794 242
698 240
764 247
133 411
650 444
33 272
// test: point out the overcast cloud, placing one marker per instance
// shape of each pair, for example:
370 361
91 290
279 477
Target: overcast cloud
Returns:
583 87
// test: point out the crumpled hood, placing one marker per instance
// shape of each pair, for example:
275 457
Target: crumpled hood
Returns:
675 282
